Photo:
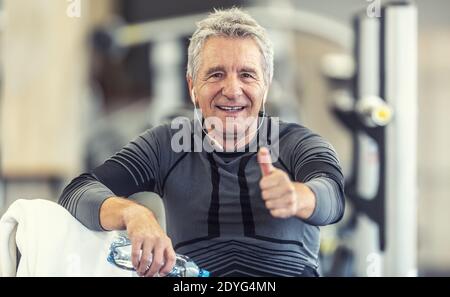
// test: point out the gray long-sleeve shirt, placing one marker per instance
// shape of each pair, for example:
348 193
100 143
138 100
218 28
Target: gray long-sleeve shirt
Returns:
214 210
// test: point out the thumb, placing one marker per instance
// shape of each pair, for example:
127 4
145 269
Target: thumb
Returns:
265 162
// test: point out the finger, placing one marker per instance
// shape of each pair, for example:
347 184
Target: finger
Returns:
265 161
278 203
146 258
157 262
272 180
136 251
170 258
281 213
277 192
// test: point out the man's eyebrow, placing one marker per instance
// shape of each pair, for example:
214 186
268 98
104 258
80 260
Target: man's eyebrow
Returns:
214 69
248 69
219 68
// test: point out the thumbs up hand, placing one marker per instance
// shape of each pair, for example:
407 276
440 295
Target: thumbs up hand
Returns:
278 191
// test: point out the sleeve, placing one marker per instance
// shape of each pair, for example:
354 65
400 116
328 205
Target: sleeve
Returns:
135 168
314 162
329 201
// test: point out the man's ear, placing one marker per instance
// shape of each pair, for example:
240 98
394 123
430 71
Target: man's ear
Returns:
190 83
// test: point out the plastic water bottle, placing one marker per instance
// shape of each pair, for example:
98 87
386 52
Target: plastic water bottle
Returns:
120 255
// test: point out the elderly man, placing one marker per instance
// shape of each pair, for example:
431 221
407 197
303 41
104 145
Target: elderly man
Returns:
234 210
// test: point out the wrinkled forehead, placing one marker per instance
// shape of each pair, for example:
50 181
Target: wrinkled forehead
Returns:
230 53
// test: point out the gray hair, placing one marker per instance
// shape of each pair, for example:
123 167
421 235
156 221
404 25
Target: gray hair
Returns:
231 22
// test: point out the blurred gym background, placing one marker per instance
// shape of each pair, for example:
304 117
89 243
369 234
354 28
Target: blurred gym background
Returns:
79 79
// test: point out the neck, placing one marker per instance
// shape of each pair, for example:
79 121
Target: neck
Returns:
229 143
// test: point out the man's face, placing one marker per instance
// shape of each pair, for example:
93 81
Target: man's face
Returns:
229 83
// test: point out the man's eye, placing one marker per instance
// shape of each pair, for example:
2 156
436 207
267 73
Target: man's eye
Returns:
247 75
217 75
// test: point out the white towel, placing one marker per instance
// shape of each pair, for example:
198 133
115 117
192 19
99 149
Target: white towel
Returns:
52 243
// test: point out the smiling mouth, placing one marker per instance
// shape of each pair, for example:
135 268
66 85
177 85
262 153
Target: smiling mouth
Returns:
231 108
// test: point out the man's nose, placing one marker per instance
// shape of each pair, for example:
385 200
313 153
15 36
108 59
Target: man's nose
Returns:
232 88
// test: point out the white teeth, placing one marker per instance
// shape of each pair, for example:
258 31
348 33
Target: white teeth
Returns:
231 107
